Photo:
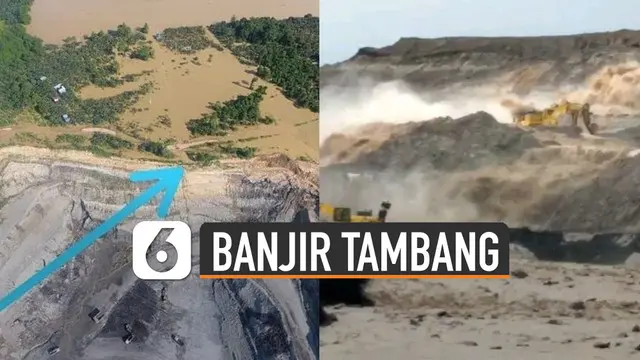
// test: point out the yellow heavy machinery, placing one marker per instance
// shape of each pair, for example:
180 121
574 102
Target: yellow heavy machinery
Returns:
551 116
343 214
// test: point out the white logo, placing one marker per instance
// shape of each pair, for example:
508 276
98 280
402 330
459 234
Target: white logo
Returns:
144 233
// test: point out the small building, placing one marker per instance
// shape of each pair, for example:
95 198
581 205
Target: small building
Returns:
55 99
43 78
96 315
66 118
60 89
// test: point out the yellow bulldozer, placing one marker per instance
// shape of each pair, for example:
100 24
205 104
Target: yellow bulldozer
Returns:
329 213
552 115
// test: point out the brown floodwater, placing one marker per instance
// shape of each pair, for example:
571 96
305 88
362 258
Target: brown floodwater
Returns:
54 20
182 86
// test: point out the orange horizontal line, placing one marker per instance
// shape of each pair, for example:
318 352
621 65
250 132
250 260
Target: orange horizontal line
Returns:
259 276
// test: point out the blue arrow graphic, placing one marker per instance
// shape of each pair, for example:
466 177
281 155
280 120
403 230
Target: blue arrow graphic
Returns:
167 181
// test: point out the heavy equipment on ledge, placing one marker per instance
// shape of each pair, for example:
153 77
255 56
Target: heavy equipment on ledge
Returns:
329 213
552 115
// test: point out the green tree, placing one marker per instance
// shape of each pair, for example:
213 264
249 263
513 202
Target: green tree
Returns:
156 148
244 110
264 73
143 52
286 52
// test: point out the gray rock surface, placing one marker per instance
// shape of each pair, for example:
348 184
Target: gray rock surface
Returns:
47 202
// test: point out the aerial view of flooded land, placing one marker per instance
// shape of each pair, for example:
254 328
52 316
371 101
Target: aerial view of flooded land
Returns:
146 75
92 90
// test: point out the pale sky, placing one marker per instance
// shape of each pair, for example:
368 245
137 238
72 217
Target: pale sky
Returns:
347 25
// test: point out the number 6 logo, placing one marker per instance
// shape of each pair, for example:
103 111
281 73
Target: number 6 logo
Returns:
145 232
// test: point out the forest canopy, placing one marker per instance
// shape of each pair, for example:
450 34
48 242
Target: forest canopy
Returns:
15 11
30 71
285 51
226 116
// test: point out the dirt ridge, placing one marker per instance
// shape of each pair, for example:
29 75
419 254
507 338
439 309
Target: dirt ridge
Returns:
441 62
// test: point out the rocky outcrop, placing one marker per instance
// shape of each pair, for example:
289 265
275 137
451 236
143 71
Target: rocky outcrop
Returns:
446 144
477 169
441 62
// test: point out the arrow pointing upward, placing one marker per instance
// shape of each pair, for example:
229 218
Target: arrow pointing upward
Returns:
167 181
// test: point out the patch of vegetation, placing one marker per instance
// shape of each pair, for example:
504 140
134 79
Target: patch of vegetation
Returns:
77 142
286 52
185 39
15 11
29 71
142 52
252 138
107 110
244 110
109 141
132 129
100 144
156 148
243 152
164 120
210 153
17 52
305 122
203 158
98 151
29 137
135 77
144 28
7 117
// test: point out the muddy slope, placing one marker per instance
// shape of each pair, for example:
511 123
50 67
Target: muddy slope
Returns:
543 246
438 62
446 144
48 202
477 169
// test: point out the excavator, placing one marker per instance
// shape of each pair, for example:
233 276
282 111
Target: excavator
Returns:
551 116
343 214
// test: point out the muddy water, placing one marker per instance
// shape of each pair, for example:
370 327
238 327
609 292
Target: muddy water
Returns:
183 85
54 20
183 88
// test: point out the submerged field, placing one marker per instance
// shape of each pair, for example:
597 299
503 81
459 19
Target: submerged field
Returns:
189 93
53 21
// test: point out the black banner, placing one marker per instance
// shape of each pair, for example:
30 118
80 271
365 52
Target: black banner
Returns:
353 250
